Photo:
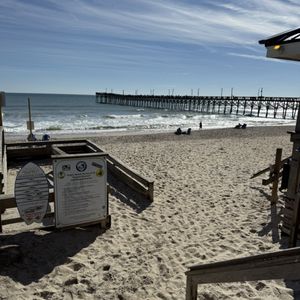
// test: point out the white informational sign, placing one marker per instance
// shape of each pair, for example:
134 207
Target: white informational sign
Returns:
80 190
31 193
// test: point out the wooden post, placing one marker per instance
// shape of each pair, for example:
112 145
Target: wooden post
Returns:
29 113
295 222
191 289
274 198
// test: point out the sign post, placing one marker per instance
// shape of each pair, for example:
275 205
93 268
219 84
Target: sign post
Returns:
30 124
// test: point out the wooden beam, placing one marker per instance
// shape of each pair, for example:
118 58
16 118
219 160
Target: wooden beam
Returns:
9 201
295 222
274 197
113 161
268 168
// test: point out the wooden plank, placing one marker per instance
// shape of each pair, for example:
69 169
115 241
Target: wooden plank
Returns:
129 170
191 288
29 152
274 196
151 191
57 151
78 155
19 220
295 222
270 180
268 168
4 166
275 265
260 259
9 201
42 143
94 146
129 181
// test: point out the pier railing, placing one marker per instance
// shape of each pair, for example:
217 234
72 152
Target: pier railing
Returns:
274 107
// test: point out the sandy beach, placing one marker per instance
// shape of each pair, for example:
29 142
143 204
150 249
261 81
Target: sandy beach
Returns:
206 209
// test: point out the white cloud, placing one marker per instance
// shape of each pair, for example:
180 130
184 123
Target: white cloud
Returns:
257 57
212 22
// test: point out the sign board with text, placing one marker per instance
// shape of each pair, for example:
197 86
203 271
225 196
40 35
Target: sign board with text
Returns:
80 190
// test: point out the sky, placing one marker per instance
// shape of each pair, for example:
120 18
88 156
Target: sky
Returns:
204 47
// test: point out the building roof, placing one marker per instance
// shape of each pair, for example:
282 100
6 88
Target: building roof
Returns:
286 37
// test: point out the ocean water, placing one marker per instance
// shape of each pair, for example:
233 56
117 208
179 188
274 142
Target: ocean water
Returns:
62 114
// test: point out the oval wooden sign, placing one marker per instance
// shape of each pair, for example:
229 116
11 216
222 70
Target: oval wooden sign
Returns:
31 193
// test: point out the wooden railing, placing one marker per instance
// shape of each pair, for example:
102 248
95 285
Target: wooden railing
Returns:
284 264
275 172
129 176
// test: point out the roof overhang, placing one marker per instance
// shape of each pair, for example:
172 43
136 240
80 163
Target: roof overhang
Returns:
285 45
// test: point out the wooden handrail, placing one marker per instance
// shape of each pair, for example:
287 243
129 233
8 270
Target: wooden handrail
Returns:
284 264
269 168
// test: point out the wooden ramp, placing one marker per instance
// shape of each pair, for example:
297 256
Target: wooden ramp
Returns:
284 264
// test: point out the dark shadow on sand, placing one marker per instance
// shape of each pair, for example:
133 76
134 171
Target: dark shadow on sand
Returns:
276 211
273 225
40 254
127 195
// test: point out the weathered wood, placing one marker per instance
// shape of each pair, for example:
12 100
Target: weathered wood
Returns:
94 146
9 201
274 197
268 168
275 265
128 170
4 166
295 222
34 152
191 288
64 156
42 143
19 220
104 223
135 185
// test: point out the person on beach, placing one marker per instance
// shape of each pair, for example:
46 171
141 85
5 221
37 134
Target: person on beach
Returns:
178 131
46 137
31 137
200 125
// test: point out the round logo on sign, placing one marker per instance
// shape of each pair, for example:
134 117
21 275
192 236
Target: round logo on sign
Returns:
81 166
99 172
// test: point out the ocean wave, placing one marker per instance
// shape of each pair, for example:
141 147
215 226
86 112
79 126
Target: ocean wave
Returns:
123 116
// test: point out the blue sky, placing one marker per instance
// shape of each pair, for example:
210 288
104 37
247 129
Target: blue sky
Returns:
84 46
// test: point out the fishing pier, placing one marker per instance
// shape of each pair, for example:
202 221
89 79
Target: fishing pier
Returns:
260 106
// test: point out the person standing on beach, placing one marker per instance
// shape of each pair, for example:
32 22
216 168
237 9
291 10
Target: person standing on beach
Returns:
200 125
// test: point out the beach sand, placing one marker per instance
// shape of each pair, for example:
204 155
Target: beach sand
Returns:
206 209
